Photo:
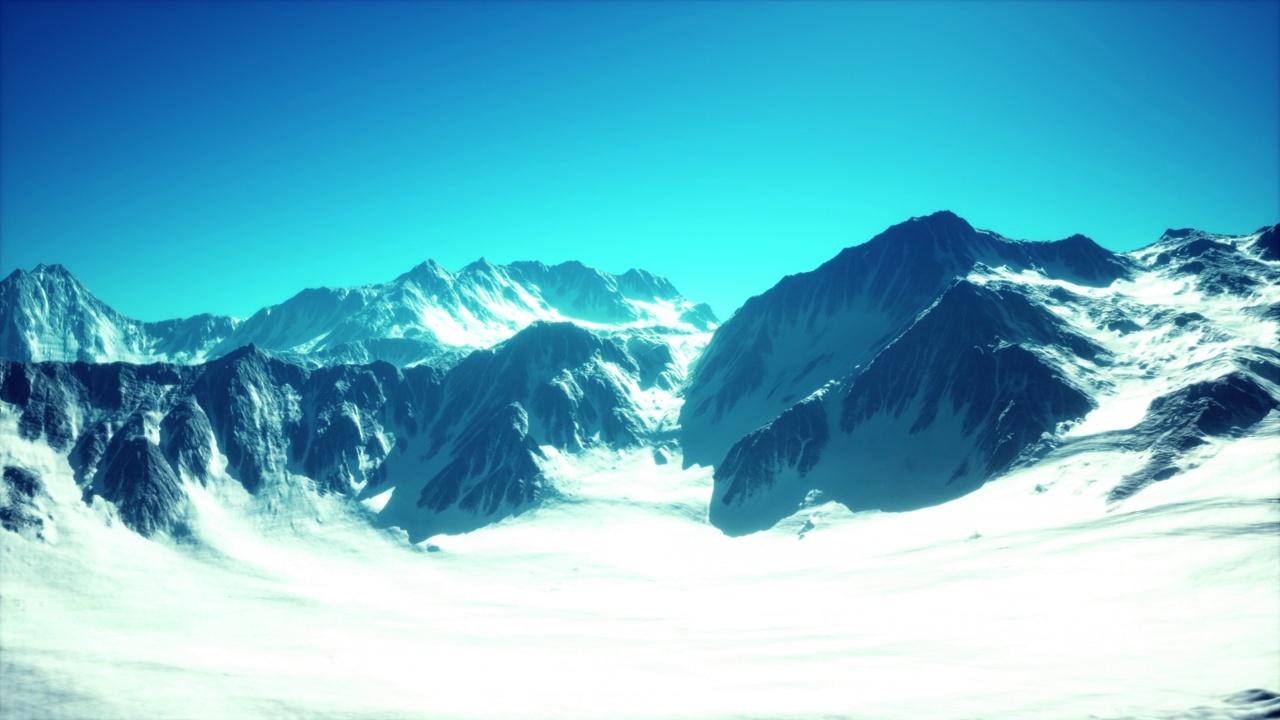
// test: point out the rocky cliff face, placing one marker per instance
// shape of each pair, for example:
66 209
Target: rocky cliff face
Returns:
464 442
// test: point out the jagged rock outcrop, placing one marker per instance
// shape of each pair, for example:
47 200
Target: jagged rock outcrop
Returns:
21 493
1186 418
553 384
465 439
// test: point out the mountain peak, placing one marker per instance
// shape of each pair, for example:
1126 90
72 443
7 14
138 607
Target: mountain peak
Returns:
427 271
943 229
644 285
480 266
56 269
46 273
941 216
1178 234
945 220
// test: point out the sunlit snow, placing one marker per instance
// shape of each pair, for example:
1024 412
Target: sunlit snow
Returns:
1029 598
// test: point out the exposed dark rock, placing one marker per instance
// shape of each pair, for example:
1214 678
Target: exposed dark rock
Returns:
1268 243
654 360
556 370
187 440
19 490
971 349
137 478
847 310
44 403
1183 419
791 443
493 470
974 355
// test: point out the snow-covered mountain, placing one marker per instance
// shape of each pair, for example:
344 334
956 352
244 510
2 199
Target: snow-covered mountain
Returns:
903 373
451 450
432 315
426 315
945 469
936 357
47 314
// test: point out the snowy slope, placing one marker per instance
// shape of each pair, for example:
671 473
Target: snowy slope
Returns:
1030 598
426 315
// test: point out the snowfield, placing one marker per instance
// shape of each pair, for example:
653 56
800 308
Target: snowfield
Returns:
1029 598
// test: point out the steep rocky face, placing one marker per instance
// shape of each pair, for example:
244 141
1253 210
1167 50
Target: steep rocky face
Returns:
815 327
792 443
135 434
1187 418
187 440
253 405
953 400
553 384
136 476
1267 246
981 355
47 314
910 370
562 373
493 468
460 447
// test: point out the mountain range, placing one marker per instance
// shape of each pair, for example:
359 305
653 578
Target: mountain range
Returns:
905 372
427 315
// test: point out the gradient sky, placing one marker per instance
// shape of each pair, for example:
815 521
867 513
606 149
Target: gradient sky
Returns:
188 157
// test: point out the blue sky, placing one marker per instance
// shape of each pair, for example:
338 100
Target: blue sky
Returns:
187 157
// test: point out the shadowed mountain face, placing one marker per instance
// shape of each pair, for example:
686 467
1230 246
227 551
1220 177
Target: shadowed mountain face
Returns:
953 400
818 326
910 370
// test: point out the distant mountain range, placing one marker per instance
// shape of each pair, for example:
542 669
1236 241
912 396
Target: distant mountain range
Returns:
426 315
905 372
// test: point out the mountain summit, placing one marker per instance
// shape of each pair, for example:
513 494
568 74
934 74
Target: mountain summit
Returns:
909 370
47 314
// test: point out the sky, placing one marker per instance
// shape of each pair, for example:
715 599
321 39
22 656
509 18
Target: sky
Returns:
195 157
